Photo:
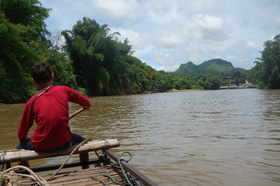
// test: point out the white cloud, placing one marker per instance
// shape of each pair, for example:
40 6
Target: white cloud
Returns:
166 33
135 39
120 11
252 45
205 27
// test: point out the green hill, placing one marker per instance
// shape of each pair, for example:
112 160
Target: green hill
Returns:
214 65
188 68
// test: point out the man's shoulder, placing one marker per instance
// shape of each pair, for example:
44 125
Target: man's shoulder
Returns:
33 97
60 87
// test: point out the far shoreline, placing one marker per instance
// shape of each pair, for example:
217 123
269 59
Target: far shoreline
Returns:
184 90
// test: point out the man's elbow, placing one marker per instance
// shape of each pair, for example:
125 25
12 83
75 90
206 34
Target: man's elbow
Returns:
87 106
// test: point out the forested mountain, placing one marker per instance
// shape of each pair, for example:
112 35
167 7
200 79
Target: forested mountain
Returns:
217 66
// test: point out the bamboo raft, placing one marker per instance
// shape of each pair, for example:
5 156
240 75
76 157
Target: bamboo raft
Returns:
87 171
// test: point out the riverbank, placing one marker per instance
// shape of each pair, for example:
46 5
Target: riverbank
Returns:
184 90
172 90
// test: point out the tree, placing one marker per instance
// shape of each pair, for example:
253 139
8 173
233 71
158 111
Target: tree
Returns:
22 43
28 14
16 58
62 68
99 59
267 68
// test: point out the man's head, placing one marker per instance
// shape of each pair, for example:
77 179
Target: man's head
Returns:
41 73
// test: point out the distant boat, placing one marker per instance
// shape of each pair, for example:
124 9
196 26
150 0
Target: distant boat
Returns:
228 87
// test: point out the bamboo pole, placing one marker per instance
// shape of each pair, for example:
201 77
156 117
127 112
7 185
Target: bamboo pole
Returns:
24 155
77 112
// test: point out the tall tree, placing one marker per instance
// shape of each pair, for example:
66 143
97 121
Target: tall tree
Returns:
16 58
267 69
22 35
27 13
98 57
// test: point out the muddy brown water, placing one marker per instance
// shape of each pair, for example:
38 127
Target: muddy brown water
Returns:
223 137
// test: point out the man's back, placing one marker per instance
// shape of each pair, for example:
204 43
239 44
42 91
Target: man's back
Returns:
50 112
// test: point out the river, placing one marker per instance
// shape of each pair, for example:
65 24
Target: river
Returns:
223 137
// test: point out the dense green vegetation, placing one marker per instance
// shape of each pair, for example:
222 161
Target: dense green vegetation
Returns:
267 69
96 62
21 35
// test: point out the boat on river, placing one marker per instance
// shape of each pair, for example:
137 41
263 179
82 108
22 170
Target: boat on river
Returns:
104 169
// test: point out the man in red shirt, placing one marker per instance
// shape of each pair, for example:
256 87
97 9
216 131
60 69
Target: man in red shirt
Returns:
49 108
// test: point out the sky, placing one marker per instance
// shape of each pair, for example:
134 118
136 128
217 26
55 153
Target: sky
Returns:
167 33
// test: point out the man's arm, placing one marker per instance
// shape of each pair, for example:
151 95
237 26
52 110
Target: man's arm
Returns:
78 98
26 122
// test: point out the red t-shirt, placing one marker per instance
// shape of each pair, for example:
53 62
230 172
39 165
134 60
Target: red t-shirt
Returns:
50 112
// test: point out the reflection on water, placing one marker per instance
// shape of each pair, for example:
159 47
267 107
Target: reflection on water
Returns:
225 137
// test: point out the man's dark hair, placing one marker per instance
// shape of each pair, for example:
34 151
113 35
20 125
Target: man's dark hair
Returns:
41 72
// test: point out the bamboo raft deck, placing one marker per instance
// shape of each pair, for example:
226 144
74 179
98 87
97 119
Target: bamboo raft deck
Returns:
84 172
83 177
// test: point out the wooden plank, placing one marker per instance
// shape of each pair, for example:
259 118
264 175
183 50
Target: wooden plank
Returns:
83 177
84 159
88 178
53 167
22 155
142 178
79 177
